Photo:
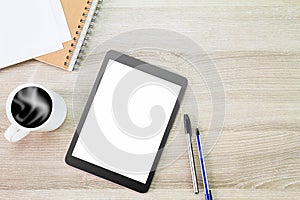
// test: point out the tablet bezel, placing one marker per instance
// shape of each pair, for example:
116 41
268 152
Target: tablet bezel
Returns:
105 173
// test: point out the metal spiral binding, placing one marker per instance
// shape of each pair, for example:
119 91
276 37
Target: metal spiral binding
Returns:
75 53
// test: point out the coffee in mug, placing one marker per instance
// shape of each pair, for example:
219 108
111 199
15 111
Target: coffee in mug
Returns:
32 107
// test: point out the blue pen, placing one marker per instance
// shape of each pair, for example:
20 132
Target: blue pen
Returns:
208 195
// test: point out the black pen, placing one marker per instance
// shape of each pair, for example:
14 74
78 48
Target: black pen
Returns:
188 134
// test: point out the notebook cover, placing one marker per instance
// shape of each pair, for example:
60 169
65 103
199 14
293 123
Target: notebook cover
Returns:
73 11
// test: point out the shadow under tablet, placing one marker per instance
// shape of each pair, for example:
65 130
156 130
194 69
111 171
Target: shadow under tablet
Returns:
126 121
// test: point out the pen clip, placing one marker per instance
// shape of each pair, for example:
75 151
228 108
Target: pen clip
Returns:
208 196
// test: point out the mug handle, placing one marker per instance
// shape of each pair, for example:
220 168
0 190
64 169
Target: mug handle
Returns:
13 134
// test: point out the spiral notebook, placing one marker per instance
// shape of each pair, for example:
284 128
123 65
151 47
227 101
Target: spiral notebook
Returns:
80 15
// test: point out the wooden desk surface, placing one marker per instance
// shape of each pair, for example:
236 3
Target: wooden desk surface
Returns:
255 48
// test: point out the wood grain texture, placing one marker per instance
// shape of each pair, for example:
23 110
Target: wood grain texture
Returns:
255 47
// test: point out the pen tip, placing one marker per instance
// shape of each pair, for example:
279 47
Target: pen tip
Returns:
210 195
197 131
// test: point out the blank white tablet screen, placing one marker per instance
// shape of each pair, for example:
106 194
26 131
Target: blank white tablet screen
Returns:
126 121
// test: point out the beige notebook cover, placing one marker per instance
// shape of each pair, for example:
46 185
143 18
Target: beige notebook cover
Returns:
80 17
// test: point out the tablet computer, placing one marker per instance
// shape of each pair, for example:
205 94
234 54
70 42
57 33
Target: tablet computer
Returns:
126 121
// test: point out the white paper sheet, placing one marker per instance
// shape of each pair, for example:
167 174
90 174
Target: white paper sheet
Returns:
28 30
60 19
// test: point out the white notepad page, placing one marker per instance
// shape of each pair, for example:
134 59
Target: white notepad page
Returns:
60 20
28 30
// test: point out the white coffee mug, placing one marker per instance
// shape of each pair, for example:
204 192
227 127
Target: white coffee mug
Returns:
32 107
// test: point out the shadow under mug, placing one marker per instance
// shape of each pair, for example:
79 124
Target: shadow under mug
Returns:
16 131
